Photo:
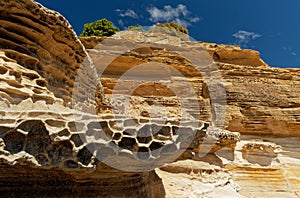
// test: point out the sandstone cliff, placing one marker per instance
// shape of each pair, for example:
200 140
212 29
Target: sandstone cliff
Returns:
230 120
262 104
260 99
41 153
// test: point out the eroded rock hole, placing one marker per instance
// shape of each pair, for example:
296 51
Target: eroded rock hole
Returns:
59 150
3 70
41 82
156 145
127 143
144 134
42 159
31 76
84 156
144 140
38 138
14 142
216 57
64 133
130 132
117 136
4 130
76 139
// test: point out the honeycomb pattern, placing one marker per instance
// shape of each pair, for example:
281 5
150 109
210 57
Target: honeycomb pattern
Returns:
57 141
36 126
137 139
50 136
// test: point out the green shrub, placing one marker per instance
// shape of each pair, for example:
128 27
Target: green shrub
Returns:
172 29
101 27
137 28
175 26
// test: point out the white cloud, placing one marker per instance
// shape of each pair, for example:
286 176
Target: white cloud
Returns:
244 37
194 19
127 13
179 14
121 22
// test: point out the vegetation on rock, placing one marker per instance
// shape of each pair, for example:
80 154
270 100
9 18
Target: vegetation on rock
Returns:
137 28
173 29
101 27
174 26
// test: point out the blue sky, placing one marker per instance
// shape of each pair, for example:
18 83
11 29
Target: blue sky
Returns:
270 26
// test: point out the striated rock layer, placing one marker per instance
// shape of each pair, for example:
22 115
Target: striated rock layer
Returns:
42 40
50 149
41 151
40 138
262 103
260 99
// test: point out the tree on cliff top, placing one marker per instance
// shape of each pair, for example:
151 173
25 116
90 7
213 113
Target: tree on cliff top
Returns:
101 27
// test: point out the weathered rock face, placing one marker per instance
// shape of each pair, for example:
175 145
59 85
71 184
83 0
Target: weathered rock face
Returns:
234 55
42 40
41 135
197 179
41 151
267 166
262 103
260 99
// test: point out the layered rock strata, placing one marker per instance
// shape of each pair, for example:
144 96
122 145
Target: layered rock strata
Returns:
260 99
261 103
42 151
39 138
42 40
40 134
